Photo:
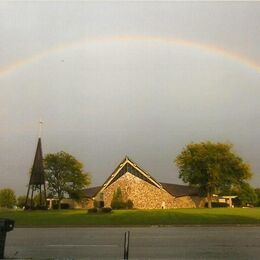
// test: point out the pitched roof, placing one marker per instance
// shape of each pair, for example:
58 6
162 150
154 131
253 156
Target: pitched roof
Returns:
91 192
128 165
177 190
37 173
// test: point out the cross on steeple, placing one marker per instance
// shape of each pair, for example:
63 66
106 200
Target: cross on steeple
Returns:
40 128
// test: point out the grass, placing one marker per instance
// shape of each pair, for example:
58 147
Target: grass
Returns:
54 218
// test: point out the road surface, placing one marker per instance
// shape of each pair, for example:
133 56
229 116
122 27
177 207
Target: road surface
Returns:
145 243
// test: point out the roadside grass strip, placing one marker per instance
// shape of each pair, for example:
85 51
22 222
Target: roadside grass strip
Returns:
63 218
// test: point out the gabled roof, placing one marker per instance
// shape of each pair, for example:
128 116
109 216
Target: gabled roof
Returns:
91 192
128 165
180 190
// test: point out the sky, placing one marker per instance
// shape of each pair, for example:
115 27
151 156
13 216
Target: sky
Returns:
141 79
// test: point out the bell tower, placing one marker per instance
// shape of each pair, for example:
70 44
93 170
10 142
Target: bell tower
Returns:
37 178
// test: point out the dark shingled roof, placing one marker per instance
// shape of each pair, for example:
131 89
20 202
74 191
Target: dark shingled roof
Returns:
177 190
91 192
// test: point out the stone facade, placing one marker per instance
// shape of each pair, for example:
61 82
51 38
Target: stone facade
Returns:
147 196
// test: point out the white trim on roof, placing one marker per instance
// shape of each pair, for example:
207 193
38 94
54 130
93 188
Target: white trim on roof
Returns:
146 175
114 174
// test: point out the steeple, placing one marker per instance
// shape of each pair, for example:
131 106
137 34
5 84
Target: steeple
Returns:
37 174
37 178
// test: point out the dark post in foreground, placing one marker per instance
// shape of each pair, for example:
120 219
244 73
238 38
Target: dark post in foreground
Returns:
6 225
126 245
37 180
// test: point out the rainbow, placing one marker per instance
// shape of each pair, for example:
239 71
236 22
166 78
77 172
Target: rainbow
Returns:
227 54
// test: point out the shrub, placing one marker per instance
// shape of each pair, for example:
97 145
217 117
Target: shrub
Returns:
62 206
38 207
106 210
129 204
102 210
218 205
117 204
118 201
92 210
95 204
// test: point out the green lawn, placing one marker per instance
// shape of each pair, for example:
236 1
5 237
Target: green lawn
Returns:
134 217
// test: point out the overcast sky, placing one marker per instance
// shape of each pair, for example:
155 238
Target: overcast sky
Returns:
111 79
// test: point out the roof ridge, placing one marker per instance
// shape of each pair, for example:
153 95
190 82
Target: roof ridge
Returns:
136 166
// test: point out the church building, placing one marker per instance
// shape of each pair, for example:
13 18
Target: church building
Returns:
143 190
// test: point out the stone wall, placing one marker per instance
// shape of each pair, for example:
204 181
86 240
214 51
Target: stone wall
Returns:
89 203
147 196
189 202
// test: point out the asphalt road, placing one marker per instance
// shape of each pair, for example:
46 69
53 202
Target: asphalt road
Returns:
145 243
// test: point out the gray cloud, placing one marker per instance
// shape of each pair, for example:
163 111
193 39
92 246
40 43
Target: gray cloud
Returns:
103 100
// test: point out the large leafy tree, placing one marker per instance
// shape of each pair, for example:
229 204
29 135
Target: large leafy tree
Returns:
257 192
213 167
246 194
65 175
7 198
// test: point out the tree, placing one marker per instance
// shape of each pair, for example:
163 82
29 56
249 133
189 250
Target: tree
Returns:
213 167
21 201
257 192
36 203
65 175
118 201
246 194
7 198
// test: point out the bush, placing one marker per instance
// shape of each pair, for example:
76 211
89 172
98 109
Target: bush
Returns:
41 207
92 210
129 204
62 206
218 205
95 204
102 210
106 210
36 207
115 204
118 202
